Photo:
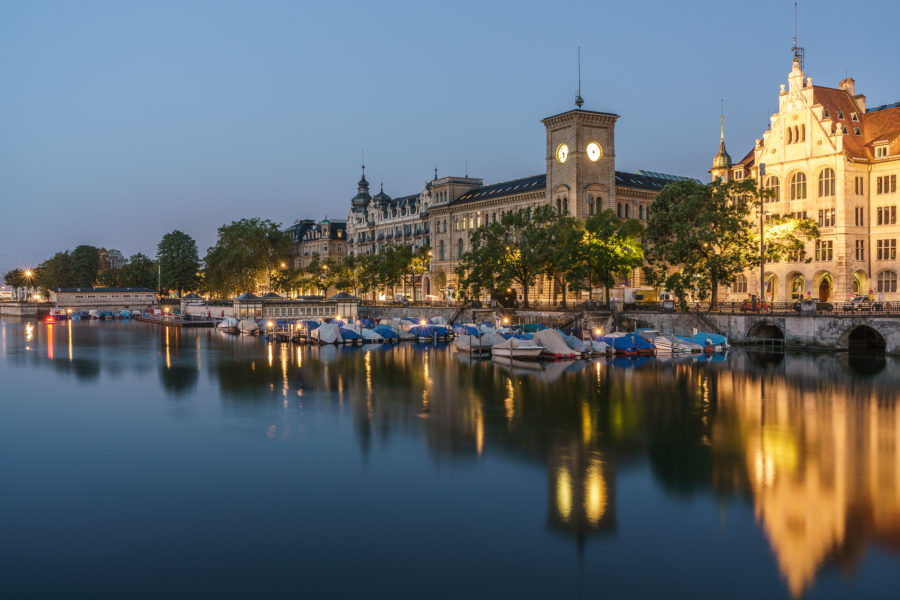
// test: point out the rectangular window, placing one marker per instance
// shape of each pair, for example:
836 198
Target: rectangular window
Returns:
821 219
860 250
893 215
878 182
881 151
880 219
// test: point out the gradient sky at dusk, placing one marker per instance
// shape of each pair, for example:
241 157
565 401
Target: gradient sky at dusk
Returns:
120 121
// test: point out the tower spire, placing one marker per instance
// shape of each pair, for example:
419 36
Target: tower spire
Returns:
799 53
579 101
722 159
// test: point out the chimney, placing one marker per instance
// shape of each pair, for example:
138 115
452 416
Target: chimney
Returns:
848 85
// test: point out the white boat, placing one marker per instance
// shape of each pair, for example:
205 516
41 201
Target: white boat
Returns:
248 326
95 314
555 345
228 325
476 344
327 333
517 349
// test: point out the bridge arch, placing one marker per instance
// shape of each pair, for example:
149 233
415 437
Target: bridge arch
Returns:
765 332
862 339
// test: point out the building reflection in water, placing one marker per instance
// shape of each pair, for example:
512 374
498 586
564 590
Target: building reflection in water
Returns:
822 465
808 439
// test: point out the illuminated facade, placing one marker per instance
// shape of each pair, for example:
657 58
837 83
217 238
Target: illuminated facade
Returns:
830 158
580 180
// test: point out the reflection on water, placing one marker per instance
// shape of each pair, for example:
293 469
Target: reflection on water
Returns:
810 441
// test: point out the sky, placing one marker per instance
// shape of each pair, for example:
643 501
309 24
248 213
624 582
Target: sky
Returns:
122 121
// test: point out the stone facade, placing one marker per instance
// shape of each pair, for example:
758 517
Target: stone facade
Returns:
828 158
327 239
580 180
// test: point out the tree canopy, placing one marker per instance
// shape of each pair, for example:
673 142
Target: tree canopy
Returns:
247 252
179 261
605 248
140 271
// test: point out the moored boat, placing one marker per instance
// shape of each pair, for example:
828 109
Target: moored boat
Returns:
516 348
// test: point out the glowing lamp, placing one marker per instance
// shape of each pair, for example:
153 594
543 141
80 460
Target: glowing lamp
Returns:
423 322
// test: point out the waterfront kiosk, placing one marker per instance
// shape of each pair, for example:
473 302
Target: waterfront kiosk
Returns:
251 306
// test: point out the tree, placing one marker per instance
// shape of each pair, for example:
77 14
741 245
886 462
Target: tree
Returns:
786 238
515 249
85 265
700 235
605 249
15 279
412 265
563 239
111 263
247 252
178 261
56 272
320 274
140 272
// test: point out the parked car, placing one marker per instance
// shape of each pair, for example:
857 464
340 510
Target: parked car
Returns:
862 303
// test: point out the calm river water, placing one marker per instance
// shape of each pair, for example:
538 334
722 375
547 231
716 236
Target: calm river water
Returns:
140 461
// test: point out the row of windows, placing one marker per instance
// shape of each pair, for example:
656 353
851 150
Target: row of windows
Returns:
886 249
827 218
886 282
887 215
116 296
824 250
795 134
300 311
886 184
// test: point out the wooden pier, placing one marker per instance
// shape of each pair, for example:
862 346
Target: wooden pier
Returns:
178 320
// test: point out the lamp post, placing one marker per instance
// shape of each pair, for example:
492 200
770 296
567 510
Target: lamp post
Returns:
762 247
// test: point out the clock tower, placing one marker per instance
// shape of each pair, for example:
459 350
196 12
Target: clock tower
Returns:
581 162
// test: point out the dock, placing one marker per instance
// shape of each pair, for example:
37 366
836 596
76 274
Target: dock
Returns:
178 320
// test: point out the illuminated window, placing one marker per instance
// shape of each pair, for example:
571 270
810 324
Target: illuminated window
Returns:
826 182
773 185
798 186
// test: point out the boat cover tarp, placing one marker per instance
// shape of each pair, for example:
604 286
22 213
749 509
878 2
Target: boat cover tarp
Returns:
574 343
466 330
367 323
437 321
385 331
227 323
348 334
422 331
327 333
709 339
248 325
514 343
371 335
553 342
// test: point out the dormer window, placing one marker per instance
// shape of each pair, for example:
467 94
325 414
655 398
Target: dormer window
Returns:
856 131
840 114
854 117
825 113
881 151
844 129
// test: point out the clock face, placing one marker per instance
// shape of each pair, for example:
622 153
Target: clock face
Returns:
594 151
562 153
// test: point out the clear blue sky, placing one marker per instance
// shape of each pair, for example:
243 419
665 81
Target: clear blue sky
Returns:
120 121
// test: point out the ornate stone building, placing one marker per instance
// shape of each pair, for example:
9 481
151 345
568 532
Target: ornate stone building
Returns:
830 158
327 239
580 179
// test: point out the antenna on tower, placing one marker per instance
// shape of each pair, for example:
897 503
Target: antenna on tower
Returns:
799 53
363 154
722 118
579 101
467 169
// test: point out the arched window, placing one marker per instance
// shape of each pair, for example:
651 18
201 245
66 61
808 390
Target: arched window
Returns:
803 133
773 186
798 186
565 206
826 182
559 205
441 252
790 135
627 211
887 281
619 210
459 245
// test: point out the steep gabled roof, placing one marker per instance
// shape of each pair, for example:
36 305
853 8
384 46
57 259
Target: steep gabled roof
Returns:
505 188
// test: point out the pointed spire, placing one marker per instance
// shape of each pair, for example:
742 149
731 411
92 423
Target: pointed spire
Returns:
722 159
435 172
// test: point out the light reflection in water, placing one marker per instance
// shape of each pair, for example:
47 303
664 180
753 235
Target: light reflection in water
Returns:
71 353
29 332
50 341
564 493
595 492
168 354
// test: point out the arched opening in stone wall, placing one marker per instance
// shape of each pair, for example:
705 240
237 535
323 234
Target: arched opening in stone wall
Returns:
766 333
863 339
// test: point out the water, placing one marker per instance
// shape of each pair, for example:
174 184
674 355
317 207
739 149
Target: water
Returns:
137 461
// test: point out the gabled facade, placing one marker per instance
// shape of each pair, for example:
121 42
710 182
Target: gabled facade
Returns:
830 158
